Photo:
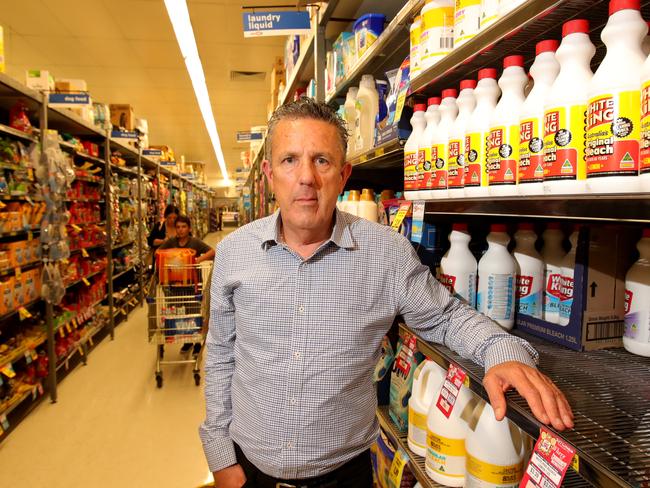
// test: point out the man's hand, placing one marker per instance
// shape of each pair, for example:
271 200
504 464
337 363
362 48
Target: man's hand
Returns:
545 399
230 477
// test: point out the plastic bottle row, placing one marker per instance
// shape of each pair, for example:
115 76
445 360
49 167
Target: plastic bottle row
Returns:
574 132
362 204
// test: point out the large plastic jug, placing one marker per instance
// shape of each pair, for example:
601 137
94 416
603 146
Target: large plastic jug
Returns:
432 116
458 267
530 273
614 111
426 382
367 106
467 21
478 129
367 207
353 202
568 274
489 13
637 301
564 113
412 163
416 32
351 117
456 148
553 253
644 164
437 38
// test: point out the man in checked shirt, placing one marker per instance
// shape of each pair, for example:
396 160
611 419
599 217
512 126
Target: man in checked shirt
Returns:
300 302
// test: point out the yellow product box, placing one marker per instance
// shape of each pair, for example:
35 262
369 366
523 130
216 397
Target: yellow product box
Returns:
7 295
2 51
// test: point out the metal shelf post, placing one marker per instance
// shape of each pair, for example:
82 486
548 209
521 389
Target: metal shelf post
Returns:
140 225
109 237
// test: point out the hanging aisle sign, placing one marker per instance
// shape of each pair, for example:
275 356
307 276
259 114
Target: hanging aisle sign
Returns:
246 136
258 24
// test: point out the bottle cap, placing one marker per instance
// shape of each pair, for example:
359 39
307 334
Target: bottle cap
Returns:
498 228
516 60
487 73
434 101
577 26
526 226
467 84
354 196
646 232
459 227
367 195
618 5
449 92
419 107
548 46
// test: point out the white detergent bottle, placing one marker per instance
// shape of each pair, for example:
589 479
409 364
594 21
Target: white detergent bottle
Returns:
367 106
553 253
467 21
367 206
567 283
507 6
503 140
564 113
415 34
487 93
644 164
458 267
427 379
350 115
614 112
544 71
437 37
432 116
445 460
530 273
353 202
435 177
645 47
497 272
495 451
412 165
489 13
637 301
456 147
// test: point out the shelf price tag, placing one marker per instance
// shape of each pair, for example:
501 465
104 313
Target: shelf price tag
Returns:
418 222
30 235
551 458
84 253
397 467
450 389
8 370
81 351
86 282
401 215
61 332
18 272
75 227
74 323
4 422
23 313
28 357
33 354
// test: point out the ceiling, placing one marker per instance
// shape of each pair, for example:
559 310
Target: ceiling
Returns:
127 53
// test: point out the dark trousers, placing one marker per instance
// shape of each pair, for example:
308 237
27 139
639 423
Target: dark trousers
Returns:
356 473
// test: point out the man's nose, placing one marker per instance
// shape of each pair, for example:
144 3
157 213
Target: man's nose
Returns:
307 172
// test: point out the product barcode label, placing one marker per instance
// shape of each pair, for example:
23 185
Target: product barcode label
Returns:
446 43
605 330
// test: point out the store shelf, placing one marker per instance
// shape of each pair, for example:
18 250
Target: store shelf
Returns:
130 268
67 121
609 393
5 129
87 277
13 313
88 157
122 244
19 352
22 268
388 155
83 200
16 233
27 198
11 90
126 197
89 248
303 70
81 315
90 179
33 392
124 169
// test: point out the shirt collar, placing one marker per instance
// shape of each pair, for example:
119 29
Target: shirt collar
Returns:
341 234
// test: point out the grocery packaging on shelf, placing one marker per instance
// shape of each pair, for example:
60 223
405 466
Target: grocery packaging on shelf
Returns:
350 116
489 13
427 379
367 107
553 253
367 207
406 362
529 296
367 29
637 301
644 163
412 161
567 280
416 32
458 267
437 35
467 17
456 148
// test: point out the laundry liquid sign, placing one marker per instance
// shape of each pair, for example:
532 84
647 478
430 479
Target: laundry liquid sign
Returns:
258 24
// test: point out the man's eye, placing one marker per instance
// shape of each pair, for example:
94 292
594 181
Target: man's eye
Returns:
321 161
288 160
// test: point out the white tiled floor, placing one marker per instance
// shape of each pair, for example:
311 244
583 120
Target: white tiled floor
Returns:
111 426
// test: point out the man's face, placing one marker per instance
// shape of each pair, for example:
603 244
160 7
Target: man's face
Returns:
171 219
182 230
307 172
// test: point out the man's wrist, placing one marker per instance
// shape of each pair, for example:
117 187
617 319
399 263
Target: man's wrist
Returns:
513 349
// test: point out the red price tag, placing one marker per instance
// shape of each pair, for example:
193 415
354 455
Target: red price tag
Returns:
450 389
549 463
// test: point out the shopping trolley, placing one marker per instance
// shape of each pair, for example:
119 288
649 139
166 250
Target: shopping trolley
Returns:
179 311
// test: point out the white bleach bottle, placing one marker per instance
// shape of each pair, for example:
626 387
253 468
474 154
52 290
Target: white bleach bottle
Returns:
487 93
415 34
565 170
435 180
367 206
530 273
427 379
437 35
567 282
637 301
507 6
544 71
495 451
432 116
497 272
503 140
553 253
644 164
350 112
353 202
614 112
367 107
467 23
489 13
412 165
458 267
456 147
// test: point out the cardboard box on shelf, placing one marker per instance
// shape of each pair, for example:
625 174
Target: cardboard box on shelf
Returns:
7 295
598 310
122 115
68 85
40 80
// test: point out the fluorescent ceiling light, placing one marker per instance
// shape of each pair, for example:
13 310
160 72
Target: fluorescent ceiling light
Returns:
180 19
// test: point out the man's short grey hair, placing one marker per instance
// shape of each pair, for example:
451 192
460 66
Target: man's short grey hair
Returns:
307 108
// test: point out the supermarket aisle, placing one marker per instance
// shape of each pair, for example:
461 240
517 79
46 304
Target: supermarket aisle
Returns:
112 427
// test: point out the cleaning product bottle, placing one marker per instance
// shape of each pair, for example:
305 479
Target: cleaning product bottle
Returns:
478 128
456 147
458 267
435 179
367 107
645 47
497 272
437 38
344 201
637 301
445 460
553 253
568 273
427 379
614 112
467 21
507 6
503 141
353 202
564 113
531 128
416 32
644 164
432 116
530 273
489 13
367 207
495 451
351 117
412 166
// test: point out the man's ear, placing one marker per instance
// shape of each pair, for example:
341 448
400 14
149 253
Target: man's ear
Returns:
346 171
268 171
